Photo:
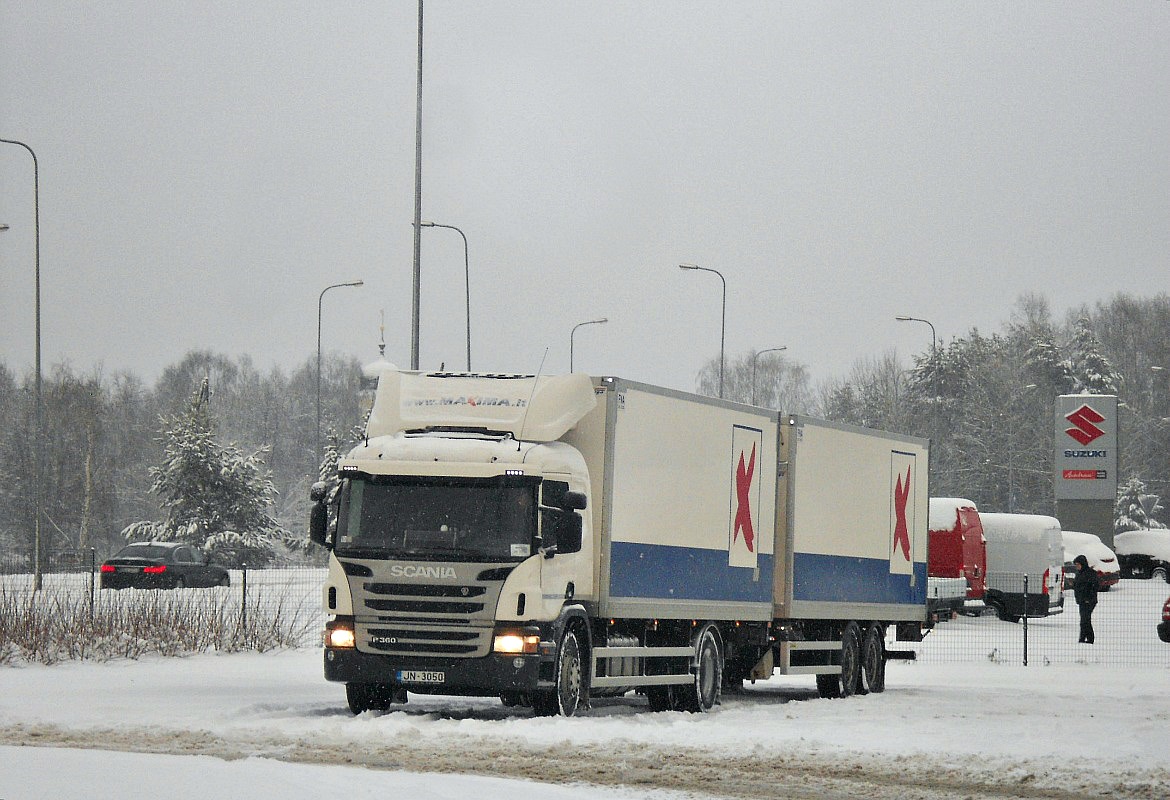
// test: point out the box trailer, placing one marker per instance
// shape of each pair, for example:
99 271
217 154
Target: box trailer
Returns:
550 539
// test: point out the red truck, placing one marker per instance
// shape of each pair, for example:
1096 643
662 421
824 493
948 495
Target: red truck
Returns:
956 545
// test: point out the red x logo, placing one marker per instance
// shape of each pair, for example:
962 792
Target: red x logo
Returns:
743 512
901 529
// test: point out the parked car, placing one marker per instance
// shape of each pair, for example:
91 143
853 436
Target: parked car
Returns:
161 565
1164 625
1100 557
1144 553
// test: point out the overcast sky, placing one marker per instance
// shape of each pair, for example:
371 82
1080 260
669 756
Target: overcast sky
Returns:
207 168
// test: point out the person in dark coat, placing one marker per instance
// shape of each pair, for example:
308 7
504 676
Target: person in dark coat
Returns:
1085 586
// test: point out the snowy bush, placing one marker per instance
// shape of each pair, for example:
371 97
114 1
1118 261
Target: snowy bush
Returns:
1130 514
51 626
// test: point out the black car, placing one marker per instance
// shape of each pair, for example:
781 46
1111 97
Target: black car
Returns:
161 565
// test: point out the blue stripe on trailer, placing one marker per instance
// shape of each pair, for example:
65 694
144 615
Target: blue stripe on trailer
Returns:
685 573
845 579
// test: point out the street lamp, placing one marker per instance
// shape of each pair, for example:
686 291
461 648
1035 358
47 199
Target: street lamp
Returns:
723 324
320 298
601 321
466 281
37 457
756 355
933 338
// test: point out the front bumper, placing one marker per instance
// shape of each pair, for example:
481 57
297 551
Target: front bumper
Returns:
480 677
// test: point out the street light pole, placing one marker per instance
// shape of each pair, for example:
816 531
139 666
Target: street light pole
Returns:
321 298
723 323
417 274
573 333
466 280
933 338
756 355
39 433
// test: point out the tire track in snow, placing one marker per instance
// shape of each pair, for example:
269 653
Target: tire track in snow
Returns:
689 770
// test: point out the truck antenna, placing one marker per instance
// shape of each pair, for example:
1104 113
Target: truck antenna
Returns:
531 394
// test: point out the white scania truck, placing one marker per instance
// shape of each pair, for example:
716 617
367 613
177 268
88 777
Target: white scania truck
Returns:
551 539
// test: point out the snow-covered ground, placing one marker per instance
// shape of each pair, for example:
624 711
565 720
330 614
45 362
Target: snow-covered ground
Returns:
268 722
966 720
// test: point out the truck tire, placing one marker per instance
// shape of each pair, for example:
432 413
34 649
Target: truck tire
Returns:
703 695
829 686
873 660
373 696
850 659
1160 573
569 692
662 698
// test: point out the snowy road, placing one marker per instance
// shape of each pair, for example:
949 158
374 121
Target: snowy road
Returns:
940 731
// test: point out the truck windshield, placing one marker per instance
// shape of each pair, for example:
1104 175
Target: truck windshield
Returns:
446 519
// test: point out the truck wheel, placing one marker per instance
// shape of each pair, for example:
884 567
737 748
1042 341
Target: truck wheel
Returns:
373 696
873 660
850 659
1160 573
704 694
829 686
662 698
566 698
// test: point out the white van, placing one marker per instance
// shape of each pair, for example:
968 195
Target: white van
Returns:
1019 545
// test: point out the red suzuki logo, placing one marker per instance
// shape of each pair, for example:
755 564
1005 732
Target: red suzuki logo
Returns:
1085 419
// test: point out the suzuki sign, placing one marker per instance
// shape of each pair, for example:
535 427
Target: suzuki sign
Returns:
1086 447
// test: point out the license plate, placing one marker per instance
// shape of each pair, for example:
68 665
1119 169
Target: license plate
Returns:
129 569
420 676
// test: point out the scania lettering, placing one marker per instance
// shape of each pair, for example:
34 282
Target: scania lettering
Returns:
439 573
548 540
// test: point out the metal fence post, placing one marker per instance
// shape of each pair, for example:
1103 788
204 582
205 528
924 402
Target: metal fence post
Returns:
244 599
1025 619
92 581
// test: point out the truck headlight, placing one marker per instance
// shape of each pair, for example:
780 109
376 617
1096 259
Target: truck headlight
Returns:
339 634
516 642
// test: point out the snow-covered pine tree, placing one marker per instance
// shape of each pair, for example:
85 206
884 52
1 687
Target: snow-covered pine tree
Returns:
1092 372
1044 356
1129 514
214 496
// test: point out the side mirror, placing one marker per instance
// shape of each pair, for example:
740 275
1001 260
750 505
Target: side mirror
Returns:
319 523
573 501
318 491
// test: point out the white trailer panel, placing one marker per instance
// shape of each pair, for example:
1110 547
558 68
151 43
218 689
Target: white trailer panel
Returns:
689 504
856 524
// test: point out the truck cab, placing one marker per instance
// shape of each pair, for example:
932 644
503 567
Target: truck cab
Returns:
456 548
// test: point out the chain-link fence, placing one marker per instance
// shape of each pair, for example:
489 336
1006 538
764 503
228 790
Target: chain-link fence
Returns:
282 606
70 615
1124 622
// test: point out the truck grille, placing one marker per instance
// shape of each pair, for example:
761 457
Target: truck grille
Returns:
425 619
466 642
